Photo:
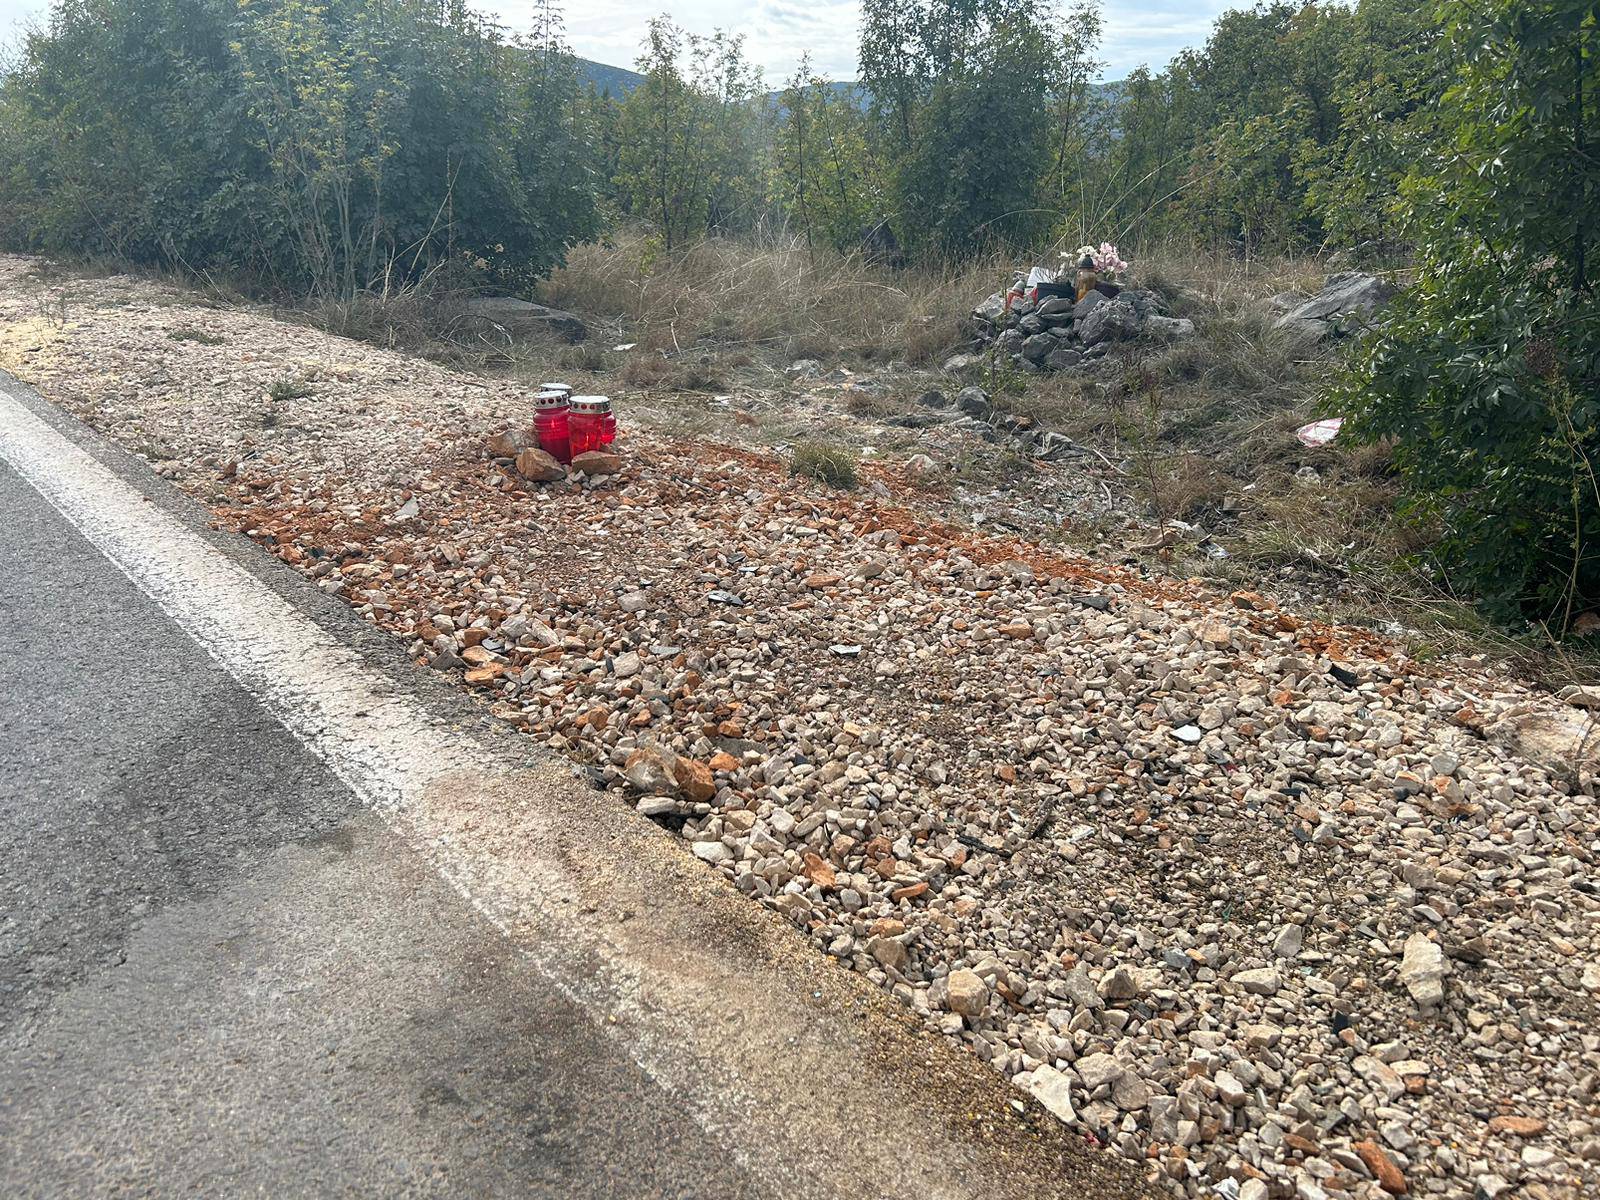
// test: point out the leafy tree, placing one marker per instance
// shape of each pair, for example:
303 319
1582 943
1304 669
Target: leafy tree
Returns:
689 158
1267 110
961 89
734 97
1488 379
890 67
822 174
126 132
323 93
1077 119
970 178
1144 166
1386 82
323 146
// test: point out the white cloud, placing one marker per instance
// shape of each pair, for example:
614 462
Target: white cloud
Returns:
778 32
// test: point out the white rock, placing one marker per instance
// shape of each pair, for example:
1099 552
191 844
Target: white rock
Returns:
1263 981
1053 1089
1289 941
1423 967
714 853
968 994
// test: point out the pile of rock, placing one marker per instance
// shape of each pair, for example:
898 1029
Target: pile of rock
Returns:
517 451
972 410
1059 334
1272 917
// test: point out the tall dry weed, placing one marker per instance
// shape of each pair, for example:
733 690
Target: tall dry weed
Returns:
773 291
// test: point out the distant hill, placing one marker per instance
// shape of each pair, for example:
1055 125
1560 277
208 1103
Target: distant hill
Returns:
619 81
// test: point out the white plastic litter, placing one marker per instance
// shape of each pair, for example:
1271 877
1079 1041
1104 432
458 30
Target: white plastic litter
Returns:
1319 433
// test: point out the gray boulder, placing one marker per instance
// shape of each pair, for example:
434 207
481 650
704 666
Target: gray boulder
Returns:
1346 303
1049 444
524 316
991 309
973 401
1031 324
1145 302
1113 321
1063 358
1056 306
1088 304
1010 342
1038 347
1422 970
917 420
1172 327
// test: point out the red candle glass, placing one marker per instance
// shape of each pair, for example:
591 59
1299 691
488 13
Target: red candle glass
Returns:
552 425
588 423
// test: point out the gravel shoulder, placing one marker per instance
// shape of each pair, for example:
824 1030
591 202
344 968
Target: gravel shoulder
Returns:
1256 903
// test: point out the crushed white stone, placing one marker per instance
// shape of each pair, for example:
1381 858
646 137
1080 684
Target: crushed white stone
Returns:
1150 857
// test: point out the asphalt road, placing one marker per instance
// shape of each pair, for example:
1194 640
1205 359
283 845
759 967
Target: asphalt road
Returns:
221 975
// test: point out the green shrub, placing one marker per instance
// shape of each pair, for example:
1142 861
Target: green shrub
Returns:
327 147
1487 376
831 465
289 387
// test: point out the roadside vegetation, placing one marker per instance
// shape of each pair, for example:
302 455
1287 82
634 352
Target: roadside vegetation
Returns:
372 164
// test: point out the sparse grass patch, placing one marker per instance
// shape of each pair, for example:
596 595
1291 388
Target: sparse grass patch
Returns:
875 406
831 465
1002 467
1186 486
290 387
702 373
188 333
1340 523
583 356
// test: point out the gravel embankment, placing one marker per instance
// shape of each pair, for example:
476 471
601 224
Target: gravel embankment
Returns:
1263 904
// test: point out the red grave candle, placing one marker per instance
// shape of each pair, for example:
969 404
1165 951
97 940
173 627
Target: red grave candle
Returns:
589 422
552 425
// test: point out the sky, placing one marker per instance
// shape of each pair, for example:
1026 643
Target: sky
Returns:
777 32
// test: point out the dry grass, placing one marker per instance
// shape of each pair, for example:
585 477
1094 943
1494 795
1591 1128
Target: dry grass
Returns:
1218 282
772 294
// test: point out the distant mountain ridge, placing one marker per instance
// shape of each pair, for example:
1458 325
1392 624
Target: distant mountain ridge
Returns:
619 81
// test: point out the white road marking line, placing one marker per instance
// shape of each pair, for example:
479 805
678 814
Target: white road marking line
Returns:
386 748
